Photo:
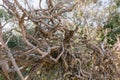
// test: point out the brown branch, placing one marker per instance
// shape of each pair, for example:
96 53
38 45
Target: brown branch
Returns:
10 55
34 71
59 56
21 25
20 7
12 7
64 11
49 3
5 68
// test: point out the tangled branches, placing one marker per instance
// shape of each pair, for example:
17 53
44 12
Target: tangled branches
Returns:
52 44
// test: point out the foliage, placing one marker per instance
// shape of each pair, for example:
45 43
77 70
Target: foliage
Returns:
1 77
113 26
4 15
14 42
117 2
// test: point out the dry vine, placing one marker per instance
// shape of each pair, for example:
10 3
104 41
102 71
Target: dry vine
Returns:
52 45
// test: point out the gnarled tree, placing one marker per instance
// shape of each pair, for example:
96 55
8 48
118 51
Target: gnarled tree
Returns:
53 44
